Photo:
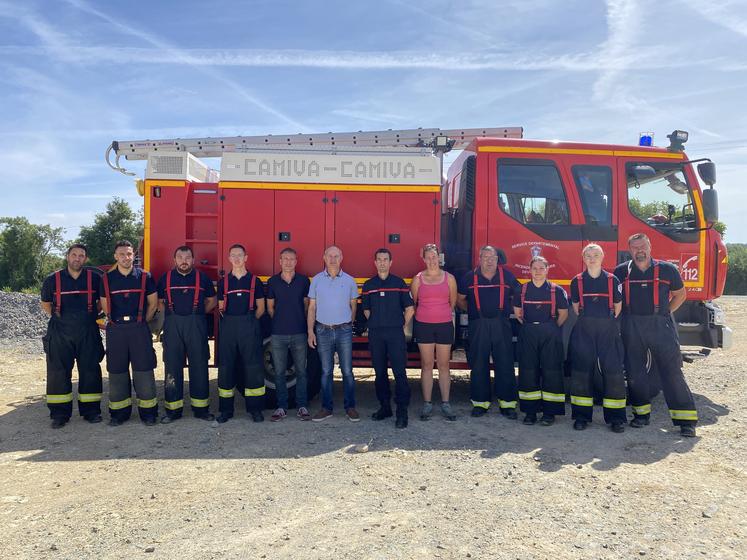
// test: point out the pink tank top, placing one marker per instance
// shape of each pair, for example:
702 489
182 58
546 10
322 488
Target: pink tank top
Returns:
433 301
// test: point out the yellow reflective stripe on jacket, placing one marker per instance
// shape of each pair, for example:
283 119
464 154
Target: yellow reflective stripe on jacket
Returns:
485 405
60 399
553 397
507 404
199 403
258 392
613 403
683 414
89 397
174 405
530 396
225 393
583 401
147 403
117 405
643 409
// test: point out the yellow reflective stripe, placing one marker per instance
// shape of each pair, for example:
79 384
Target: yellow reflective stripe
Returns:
530 396
580 152
614 403
147 403
199 403
507 404
225 393
174 405
258 392
553 397
117 405
89 397
60 399
583 401
683 414
643 409
485 405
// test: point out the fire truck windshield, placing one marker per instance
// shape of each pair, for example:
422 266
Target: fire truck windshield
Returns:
660 196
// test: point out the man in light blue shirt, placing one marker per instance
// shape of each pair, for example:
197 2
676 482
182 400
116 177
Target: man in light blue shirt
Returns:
333 298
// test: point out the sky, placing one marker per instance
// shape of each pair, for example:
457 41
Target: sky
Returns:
76 74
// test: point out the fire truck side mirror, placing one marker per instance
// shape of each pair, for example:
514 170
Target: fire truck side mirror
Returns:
710 205
643 172
707 172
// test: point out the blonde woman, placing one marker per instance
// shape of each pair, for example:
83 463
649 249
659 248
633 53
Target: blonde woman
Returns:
434 292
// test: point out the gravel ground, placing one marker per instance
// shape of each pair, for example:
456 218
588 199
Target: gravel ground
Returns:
22 322
476 488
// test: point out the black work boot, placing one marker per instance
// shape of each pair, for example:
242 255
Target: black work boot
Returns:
59 422
530 419
401 418
687 430
639 421
384 412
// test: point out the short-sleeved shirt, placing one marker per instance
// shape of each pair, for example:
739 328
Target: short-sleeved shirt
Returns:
488 292
333 296
596 293
241 297
386 300
642 286
289 316
124 293
537 302
74 298
182 292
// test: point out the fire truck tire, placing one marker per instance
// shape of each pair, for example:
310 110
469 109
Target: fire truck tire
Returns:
313 377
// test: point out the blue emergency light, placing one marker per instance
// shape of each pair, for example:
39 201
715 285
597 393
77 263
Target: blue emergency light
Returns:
646 139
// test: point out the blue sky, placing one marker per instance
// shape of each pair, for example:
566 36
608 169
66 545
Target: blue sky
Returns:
75 75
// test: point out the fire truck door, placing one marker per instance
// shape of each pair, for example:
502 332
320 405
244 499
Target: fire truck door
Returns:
412 220
247 218
299 223
359 229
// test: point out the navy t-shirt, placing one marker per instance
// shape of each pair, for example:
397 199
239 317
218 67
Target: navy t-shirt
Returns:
596 290
182 291
537 303
642 286
290 315
489 293
386 300
124 292
72 302
239 293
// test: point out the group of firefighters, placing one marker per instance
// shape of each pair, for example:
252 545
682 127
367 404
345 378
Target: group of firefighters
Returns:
623 319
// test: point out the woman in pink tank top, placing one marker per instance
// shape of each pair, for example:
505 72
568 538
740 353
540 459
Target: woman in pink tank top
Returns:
434 292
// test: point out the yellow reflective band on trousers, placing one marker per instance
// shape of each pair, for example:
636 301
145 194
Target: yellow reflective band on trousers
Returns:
225 393
643 409
683 414
613 403
485 405
530 396
583 401
117 405
553 397
147 403
199 403
258 392
89 397
507 404
60 399
174 405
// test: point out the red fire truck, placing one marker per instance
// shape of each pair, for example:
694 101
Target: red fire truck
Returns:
365 190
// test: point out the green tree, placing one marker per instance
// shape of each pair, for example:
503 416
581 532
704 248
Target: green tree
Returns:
28 252
118 221
736 276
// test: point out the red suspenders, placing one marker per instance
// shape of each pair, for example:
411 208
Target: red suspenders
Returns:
226 291
656 286
500 286
59 293
196 288
609 294
108 293
552 302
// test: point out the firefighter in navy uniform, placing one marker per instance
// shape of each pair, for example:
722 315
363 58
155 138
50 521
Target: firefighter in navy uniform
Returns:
186 296
70 297
129 300
388 306
596 296
485 293
241 301
541 307
653 290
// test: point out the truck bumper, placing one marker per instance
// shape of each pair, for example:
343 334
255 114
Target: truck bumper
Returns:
702 324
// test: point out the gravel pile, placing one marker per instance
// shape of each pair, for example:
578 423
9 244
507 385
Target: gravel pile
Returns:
22 322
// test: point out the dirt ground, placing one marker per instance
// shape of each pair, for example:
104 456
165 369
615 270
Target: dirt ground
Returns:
477 488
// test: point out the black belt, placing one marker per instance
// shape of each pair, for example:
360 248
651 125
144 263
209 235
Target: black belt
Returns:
333 327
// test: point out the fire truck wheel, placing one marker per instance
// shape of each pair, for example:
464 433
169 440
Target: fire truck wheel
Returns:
313 377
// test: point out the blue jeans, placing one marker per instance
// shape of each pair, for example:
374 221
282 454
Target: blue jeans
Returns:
296 344
327 342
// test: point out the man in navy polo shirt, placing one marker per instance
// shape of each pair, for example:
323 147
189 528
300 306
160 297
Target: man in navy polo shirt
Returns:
129 300
186 295
333 297
287 304
241 301
70 297
388 306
